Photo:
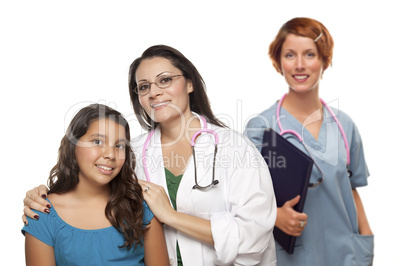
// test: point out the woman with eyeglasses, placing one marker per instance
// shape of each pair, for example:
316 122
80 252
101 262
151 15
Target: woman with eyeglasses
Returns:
208 185
333 228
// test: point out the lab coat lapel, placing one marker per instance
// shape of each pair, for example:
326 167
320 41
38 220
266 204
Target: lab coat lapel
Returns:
186 188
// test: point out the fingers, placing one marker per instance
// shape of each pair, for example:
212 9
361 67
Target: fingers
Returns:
302 224
24 219
299 222
296 227
293 201
145 184
300 228
289 221
302 217
146 193
31 214
158 201
292 222
145 189
30 204
34 201
43 191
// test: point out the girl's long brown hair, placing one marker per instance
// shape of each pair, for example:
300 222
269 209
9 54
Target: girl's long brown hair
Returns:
125 207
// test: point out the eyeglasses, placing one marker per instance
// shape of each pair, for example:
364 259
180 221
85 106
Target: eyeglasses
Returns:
162 82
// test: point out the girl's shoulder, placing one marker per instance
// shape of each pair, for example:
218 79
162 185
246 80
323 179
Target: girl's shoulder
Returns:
148 215
45 227
60 201
55 197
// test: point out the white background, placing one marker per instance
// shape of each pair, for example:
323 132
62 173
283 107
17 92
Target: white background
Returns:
56 57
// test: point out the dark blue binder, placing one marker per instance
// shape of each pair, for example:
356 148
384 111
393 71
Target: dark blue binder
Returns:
290 170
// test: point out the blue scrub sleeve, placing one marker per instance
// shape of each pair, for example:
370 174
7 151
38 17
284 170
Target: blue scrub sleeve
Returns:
255 130
358 164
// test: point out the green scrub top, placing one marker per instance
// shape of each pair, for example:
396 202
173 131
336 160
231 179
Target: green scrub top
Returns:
173 183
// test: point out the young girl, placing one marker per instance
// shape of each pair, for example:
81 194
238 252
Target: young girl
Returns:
98 216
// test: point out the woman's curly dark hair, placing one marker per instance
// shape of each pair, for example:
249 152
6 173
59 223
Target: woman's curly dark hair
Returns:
125 207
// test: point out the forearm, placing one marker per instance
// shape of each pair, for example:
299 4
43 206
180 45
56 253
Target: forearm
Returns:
364 227
159 204
193 226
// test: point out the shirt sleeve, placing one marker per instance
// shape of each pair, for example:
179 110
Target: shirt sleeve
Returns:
244 233
358 165
255 130
148 215
42 229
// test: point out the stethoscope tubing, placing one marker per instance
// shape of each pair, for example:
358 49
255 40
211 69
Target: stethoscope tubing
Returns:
144 151
204 129
293 132
282 132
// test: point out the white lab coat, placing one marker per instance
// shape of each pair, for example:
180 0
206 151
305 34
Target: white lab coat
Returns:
241 208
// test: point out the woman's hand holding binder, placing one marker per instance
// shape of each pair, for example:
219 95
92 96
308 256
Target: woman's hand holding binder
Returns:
288 220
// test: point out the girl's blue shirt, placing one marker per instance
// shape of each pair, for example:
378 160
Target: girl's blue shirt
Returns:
74 246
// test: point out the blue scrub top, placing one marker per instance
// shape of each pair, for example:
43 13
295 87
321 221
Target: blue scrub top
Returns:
331 236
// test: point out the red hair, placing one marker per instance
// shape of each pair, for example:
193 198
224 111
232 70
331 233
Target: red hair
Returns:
304 27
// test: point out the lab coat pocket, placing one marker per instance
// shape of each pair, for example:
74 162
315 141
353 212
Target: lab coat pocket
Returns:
364 249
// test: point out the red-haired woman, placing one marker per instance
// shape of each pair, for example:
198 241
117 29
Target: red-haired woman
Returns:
333 229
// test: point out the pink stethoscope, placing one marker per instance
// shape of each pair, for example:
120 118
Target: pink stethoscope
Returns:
288 131
204 129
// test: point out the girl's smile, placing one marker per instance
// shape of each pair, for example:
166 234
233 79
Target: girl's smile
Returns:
100 153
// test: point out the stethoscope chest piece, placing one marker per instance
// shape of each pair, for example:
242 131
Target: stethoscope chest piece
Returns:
216 138
350 174
199 132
